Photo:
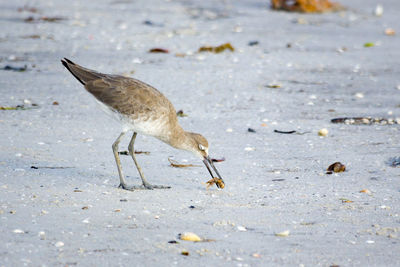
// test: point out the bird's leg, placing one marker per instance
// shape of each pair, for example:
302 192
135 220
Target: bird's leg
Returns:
122 182
146 184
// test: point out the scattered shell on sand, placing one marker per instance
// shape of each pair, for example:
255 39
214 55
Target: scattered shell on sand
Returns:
283 234
19 231
323 132
366 191
336 167
390 31
189 236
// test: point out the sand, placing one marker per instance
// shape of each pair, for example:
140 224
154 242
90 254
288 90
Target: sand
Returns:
68 210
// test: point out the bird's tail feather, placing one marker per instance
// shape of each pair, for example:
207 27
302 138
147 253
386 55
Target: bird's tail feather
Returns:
82 74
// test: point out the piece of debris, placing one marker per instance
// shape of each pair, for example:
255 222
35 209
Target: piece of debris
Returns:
180 113
175 164
285 132
218 160
32 36
158 50
185 253
151 23
126 153
253 43
251 130
49 167
18 69
345 200
217 49
217 181
55 103
369 44
27 9
306 6
173 242
394 162
273 85
290 132
366 120
44 18
336 167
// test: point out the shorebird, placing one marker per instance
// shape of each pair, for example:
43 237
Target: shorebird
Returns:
142 109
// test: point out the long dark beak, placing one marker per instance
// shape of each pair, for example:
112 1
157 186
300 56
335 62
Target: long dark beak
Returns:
207 161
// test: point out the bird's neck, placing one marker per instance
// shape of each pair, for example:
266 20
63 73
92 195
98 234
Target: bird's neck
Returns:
180 139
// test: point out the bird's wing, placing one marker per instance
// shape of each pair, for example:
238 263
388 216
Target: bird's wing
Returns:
130 96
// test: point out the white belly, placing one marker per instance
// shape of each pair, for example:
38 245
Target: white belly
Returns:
156 128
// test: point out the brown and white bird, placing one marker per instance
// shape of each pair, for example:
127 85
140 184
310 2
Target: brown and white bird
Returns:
142 109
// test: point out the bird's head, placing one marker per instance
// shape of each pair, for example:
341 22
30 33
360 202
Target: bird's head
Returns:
199 147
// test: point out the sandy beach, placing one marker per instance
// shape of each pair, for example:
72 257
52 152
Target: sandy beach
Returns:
60 204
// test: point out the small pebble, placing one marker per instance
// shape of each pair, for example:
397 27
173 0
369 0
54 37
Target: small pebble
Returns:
59 244
185 253
378 10
42 235
359 95
242 228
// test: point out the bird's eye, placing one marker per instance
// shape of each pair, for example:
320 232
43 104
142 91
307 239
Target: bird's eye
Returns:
201 147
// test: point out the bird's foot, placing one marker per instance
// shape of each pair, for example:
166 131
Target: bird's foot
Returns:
128 187
151 187
142 187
